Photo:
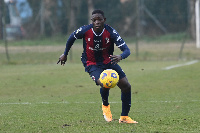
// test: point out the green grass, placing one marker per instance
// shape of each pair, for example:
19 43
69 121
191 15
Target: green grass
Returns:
36 95
162 39
53 98
43 41
176 37
62 39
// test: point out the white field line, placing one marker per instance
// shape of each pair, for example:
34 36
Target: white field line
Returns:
180 65
65 102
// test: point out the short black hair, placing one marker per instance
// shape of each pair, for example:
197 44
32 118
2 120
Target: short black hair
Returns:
98 11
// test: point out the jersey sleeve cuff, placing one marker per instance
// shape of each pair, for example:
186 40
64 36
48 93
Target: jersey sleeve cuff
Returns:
122 56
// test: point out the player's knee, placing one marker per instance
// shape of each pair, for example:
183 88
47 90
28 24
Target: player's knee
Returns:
126 88
99 83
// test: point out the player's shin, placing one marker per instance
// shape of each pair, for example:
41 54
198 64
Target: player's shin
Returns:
126 103
104 94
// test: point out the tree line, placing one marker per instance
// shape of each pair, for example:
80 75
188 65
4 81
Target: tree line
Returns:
129 17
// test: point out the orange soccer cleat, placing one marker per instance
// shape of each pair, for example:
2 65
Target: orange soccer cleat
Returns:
126 119
107 113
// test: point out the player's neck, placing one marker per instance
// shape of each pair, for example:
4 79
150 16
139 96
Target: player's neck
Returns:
98 33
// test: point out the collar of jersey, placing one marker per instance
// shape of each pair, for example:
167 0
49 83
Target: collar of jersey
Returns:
99 34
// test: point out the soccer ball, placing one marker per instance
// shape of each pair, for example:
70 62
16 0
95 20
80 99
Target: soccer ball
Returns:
109 78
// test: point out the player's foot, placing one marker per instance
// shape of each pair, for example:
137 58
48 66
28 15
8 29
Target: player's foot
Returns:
107 113
126 119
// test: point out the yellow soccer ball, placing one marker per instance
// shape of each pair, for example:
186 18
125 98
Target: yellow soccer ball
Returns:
109 78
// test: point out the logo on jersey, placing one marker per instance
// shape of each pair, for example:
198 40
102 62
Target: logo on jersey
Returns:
114 31
119 38
80 29
97 40
107 40
96 49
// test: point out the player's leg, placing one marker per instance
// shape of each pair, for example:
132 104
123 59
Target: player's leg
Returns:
125 87
103 91
95 72
105 104
104 94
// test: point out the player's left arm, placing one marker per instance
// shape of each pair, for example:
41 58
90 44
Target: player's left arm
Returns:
122 46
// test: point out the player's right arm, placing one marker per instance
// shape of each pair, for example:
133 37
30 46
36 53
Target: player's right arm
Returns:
77 34
70 42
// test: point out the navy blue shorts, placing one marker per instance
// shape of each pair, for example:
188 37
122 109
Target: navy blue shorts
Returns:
95 70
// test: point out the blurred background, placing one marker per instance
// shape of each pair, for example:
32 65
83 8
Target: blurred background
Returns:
140 22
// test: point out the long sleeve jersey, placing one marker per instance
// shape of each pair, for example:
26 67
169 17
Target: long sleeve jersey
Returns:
97 47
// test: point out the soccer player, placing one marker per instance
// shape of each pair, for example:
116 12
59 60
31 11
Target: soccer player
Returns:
98 47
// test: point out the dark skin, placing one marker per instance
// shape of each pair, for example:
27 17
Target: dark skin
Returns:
98 21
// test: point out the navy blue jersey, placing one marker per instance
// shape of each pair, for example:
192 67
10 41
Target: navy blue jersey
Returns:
97 47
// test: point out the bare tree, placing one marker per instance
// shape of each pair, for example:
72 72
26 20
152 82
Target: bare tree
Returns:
1 16
46 15
72 20
192 18
90 9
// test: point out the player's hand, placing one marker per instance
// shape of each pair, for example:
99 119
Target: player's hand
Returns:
62 59
115 59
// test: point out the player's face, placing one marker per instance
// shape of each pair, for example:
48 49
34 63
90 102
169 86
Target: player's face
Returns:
98 22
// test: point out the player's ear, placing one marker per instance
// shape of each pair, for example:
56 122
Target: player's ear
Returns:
104 19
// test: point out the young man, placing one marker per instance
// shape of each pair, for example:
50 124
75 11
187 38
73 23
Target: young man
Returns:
98 44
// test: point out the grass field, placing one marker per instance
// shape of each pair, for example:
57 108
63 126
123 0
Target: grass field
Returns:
36 95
